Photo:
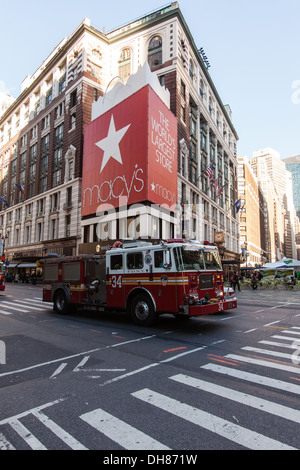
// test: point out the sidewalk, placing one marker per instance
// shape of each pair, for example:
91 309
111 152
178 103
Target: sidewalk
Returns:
275 295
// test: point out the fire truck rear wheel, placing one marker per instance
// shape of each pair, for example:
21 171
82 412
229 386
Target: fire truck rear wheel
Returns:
60 303
142 310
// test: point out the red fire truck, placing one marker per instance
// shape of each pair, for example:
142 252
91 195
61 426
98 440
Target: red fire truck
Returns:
145 279
2 278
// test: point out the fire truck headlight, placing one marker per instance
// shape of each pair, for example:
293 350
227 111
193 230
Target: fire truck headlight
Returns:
219 294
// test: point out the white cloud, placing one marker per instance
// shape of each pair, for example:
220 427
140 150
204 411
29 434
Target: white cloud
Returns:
3 88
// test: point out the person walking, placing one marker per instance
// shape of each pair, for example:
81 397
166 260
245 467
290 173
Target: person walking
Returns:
254 281
236 281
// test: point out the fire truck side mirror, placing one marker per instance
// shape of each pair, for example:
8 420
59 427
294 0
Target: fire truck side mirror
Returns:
167 260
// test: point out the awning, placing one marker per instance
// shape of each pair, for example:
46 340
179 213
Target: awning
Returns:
26 265
22 265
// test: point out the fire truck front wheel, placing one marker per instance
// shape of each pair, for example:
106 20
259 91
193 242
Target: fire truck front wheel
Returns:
60 302
142 310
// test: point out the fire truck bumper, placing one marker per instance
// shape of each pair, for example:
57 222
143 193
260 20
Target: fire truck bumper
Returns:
212 307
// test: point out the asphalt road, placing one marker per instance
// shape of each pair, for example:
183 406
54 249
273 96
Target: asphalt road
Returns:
87 381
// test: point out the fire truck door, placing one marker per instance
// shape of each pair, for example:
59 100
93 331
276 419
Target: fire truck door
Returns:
116 292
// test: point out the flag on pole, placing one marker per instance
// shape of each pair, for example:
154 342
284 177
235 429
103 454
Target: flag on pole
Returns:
238 205
209 171
216 183
4 201
20 187
221 189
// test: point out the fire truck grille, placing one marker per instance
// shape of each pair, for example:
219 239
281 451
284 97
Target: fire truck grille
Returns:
206 281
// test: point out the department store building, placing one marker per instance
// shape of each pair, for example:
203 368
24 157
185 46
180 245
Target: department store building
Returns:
42 139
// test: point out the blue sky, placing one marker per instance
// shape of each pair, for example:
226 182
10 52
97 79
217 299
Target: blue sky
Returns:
253 48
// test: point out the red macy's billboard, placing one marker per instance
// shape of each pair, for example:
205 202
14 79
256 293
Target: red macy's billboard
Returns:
130 155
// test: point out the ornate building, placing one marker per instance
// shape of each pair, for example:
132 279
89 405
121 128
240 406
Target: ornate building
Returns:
41 135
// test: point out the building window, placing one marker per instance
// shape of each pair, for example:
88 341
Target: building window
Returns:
43 184
68 225
56 178
60 110
155 52
49 97
96 92
73 98
39 232
125 63
62 84
73 121
59 135
45 144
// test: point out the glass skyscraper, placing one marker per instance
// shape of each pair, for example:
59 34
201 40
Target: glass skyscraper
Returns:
293 165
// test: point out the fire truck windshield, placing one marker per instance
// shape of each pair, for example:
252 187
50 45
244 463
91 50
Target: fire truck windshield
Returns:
195 258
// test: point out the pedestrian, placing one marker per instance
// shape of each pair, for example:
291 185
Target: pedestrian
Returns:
254 281
236 281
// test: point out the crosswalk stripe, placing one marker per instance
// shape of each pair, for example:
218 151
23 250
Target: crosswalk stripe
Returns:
282 345
5 313
291 332
259 362
233 432
285 337
25 434
118 431
239 397
5 444
39 301
268 352
32 306
58 431
254 378
14 307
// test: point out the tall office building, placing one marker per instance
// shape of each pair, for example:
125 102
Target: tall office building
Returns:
252 213
275 182
42 135
293 165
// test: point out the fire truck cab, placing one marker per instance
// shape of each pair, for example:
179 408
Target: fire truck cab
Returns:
178 277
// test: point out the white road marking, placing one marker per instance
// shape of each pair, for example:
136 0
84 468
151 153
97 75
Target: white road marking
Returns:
5 444
5 313
58 370
14 307
222 427
58 431
240 397
259 362
254 378
268 353
26 435
118 431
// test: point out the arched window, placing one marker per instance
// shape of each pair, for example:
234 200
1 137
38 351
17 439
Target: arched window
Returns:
155 52
125 63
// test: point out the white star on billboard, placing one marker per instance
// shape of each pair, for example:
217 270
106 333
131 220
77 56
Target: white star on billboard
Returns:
110 144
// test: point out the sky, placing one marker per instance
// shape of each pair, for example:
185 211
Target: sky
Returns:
253 48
